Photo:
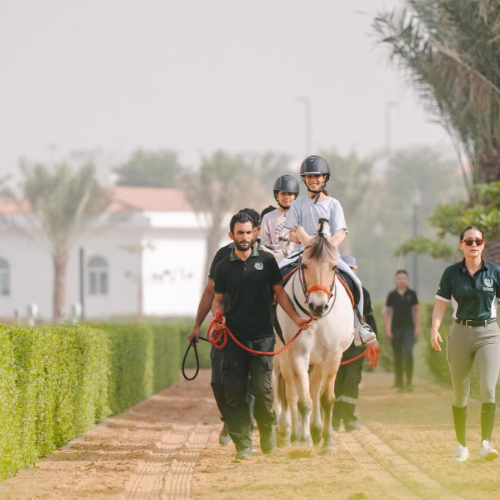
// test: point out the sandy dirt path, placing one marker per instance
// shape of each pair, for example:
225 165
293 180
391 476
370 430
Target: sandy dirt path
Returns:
167 448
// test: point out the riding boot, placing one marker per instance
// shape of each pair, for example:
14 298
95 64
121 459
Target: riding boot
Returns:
488 411
338 414
460 419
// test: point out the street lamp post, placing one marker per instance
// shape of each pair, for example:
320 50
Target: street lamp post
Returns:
308 123
416 200
378 230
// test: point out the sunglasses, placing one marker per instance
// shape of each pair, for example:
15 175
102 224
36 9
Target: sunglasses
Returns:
470 241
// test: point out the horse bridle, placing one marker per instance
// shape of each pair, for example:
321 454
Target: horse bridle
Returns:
307 291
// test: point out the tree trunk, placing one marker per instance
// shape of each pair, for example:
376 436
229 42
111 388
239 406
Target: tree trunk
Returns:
492 251
489 163
59 302
212 245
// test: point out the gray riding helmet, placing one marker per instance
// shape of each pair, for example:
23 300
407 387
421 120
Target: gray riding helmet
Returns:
286 183
350 260
315 164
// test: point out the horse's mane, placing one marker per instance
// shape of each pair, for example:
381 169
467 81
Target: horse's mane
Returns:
321 249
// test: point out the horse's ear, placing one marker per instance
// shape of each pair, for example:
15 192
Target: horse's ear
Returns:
303 237
332 241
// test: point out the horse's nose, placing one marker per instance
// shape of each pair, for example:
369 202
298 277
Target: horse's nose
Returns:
318 309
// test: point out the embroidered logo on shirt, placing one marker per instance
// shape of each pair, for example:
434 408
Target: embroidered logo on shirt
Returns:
488 281
259 266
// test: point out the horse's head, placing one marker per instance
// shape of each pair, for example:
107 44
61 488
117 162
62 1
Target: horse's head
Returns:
319 265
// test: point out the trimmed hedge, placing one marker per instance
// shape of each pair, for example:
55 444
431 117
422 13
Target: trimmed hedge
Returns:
58 381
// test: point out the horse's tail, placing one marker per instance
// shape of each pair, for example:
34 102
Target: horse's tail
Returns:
282 391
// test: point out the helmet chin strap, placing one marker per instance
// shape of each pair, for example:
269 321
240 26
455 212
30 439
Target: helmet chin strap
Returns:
317 193
282 206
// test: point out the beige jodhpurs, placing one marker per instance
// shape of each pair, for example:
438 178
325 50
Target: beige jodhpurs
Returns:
465 345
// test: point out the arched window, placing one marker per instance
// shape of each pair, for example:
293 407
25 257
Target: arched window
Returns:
4 278
98 276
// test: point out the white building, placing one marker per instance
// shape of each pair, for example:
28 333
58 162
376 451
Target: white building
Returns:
151 263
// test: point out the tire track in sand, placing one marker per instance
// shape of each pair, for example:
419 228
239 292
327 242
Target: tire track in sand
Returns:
167 473
413 480
379 473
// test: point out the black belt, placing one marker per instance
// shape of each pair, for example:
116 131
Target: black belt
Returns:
471 322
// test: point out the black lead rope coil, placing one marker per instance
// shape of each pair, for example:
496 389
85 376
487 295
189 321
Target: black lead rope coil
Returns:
192 344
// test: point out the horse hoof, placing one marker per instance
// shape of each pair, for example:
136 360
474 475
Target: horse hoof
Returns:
304 443
282 442
328 450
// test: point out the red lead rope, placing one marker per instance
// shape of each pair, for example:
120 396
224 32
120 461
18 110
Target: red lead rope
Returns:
218 338
371 352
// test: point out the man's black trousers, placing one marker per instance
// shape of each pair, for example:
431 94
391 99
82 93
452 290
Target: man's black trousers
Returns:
237 366
402 344
216 382
218 388
347 385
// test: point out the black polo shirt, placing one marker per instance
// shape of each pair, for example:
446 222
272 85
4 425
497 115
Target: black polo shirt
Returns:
402 308
247 286
472 297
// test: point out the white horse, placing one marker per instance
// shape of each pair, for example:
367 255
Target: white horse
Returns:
300 392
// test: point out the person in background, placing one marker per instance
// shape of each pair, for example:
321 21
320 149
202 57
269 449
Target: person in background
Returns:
402 328
349 375
286 190
473 286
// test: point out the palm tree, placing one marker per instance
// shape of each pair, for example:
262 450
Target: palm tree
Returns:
450 52
220 187
63 204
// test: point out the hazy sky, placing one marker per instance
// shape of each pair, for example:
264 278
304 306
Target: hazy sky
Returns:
196 76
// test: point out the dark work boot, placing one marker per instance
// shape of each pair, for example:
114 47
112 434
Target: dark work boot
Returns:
267 443
224 437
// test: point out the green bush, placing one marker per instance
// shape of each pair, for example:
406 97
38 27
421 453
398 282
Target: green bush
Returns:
58 381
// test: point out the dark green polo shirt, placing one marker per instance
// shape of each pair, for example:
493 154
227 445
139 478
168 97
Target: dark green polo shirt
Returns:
473 297
247 286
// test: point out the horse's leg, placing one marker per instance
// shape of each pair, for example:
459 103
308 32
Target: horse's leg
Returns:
327 401
315 379
300 366
274 384
286 393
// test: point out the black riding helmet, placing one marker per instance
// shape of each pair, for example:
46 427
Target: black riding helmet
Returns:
315 164
285 184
